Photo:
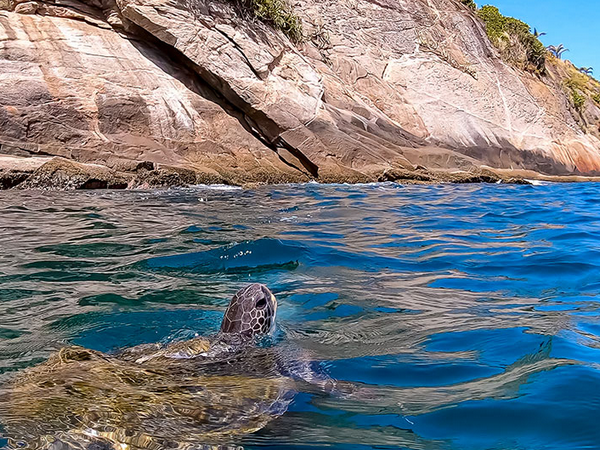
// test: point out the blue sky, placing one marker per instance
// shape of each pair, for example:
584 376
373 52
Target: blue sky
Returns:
575 23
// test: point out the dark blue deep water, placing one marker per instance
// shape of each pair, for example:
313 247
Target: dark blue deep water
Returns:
469 315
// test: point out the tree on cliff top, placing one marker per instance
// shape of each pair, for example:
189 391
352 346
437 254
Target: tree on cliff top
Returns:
557 50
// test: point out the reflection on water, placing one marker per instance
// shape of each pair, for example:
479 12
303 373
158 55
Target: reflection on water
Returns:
460 317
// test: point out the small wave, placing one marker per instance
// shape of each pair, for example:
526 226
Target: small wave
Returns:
260 254
217 187
538 182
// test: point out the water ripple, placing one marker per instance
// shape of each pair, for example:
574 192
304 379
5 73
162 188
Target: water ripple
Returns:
452 317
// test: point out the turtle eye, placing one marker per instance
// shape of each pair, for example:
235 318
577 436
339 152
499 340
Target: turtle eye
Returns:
260 304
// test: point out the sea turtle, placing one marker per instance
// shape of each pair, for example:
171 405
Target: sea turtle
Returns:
186 395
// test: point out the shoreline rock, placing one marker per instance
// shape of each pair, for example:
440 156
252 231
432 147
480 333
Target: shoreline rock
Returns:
62 174
65 175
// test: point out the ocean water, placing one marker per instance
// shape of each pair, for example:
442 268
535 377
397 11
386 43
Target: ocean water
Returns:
466 317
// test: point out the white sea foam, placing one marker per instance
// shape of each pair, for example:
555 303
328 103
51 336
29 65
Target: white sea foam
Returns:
217 187
537 182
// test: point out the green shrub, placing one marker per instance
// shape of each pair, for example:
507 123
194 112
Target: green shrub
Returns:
278 14
578 100
514 39
596 98
577 81
470 3
494 21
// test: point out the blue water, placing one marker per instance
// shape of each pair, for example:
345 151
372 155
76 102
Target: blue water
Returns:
467 316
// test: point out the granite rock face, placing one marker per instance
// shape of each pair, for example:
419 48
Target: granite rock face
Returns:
95 95
378 87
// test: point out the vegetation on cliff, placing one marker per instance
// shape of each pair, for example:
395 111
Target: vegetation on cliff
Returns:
522 48
557 50
513 37
587 70
579 84
276 13
470 3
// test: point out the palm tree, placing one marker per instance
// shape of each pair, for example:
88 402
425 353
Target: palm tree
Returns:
537 34
557 50
587 70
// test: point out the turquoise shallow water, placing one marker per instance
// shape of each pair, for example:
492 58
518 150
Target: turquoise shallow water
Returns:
469 314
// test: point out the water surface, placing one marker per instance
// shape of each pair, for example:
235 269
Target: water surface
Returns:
468 314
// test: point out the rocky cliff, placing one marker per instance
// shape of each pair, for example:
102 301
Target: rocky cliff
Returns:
377 89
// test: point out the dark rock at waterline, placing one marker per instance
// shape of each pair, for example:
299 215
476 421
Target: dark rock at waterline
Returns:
400 175
12 178
165 177
63 174
423 176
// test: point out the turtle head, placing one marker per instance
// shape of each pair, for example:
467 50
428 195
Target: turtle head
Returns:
251 312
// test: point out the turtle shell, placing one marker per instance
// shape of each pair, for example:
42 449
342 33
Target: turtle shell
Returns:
81 398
